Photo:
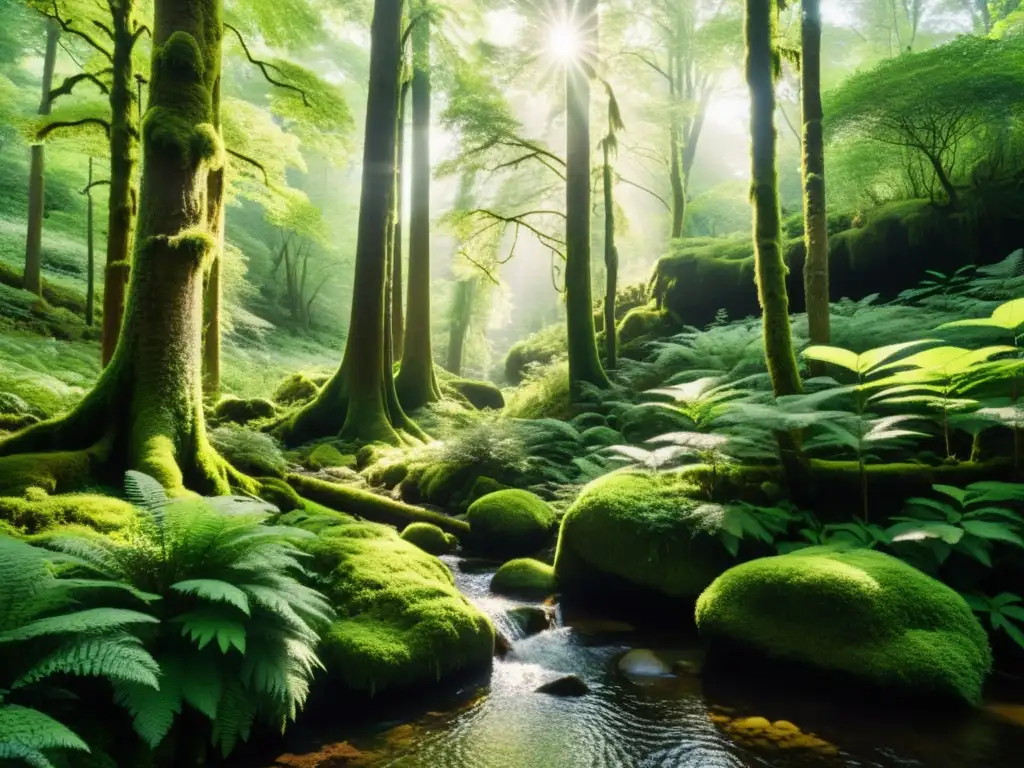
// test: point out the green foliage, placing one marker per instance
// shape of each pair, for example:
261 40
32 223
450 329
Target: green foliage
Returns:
296 388
326 455
237 410
53 629
252 452
430 538
524 577
509 522
537 350
1002 613
239 630
38 511
855 613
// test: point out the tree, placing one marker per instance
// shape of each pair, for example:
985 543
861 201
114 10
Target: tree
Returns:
33 280
815 219
937 106
584 363
358 400
416 383
146 410
397 319
609 146
769 266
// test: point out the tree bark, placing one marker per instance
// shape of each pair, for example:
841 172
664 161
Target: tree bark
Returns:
584 363
462 309
816 286
212 300
33 278
357 400
770 268
90 262
122 206
146 410
416 382
675 172
397 306
611 264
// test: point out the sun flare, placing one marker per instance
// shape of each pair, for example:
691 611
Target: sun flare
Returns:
564 40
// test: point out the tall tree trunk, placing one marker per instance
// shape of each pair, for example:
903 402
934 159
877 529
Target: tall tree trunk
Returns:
358 398
146 410
90 282
397 307
212 300
611 263
416 382
770 268
584 363
124 127
462 311
675 172
816 288
33 279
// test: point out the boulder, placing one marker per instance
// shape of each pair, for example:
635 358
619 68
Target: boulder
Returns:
236 410
296 388
509 523
430 538
569 685
858 614
524 577
641 662
531 619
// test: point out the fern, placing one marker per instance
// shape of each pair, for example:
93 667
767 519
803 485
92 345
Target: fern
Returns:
240 627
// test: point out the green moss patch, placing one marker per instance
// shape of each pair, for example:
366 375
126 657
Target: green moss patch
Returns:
237 410
645 322
325 456
524 577
859 613
402 623
510 522
295 389
643 533
430 538
38 512
480 394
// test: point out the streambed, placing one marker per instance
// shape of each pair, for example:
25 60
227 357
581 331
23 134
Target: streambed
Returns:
666 722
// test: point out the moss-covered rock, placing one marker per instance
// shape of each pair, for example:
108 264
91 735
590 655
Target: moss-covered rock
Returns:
37 511
524 577
326 455
642 534
483 486
237 410
480 394
856 613
509 523
279 493
539 349
600 437
401 621
295 389
430 538
646 322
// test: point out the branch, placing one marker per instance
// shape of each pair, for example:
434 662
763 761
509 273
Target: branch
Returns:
65 24
46 130
91 184
69 84
412 23
138 33
266 68
515 163
642 188
251 161
104 27
652 64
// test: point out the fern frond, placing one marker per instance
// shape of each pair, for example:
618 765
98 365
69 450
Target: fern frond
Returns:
152 710
28 730
214 590
145 492
89 620
117 658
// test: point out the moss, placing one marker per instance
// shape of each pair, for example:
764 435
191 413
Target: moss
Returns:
12 422
480 394
387 474
596 437
12 405
325 455
37 511
430 538
279 493
510 522
241 411
401 621
857 613
647 420
539 349
524 577
53 472
370 506
639 533
296 388
642 322
483 486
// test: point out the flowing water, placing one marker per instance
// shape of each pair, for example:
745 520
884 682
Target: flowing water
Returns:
666 722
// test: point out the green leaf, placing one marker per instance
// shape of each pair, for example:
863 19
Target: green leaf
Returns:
834 355
950 534
869 360
28 729
1015 634
214 590
993 532
978 549
90 620
152 710
205 626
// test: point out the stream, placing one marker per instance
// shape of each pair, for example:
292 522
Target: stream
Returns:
663 722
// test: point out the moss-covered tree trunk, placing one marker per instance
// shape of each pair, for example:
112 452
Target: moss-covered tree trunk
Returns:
584 363
397 280
90 254
815 223
462 310
212 299
123 148
146 410
33 278
770 267
358 401
675 171
416 382
611 261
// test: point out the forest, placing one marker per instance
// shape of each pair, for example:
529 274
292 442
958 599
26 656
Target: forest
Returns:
511 383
